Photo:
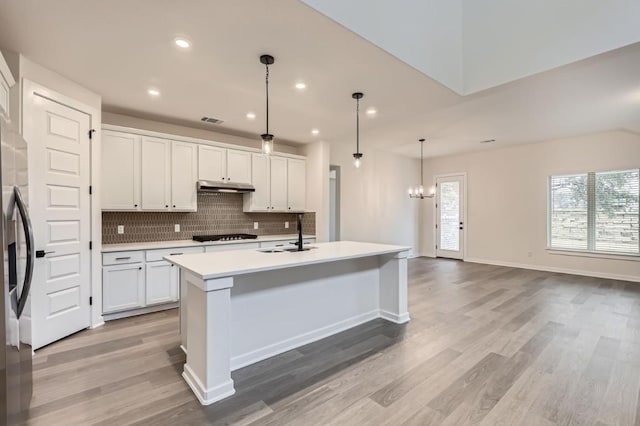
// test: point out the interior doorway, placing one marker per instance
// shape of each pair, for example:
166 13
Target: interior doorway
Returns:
334 203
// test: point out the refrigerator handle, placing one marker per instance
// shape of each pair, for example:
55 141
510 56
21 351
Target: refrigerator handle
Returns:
28 232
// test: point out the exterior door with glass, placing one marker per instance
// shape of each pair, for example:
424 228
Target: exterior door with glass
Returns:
450 216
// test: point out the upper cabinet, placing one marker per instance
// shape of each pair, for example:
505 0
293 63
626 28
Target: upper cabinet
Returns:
296 184
141 173
156 173
280 184
120 171
148 172
184 173
6 82
224 165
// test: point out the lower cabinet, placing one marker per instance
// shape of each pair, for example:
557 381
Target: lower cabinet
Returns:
162 283
123 287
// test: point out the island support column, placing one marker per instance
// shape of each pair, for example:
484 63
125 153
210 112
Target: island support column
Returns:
208 366
394 301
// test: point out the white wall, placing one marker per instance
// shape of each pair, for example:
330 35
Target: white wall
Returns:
507 200
426 34
318 155
504 40
374 204
192 132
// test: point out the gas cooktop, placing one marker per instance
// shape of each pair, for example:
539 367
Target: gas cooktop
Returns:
224 237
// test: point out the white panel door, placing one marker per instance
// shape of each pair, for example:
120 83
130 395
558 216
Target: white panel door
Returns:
278 184
122 287
161 282
450 217
260 200
59 159
238 166
156 173
184 163
212 163
296 184
120 163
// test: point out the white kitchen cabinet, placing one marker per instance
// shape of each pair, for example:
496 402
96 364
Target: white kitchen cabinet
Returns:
120 171
184 163
296 184
238 166
156 173
224 165
278 183
260 200
6 82
161 282
212 163
123 287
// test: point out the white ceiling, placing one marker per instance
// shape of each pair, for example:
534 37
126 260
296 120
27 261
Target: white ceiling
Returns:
120 48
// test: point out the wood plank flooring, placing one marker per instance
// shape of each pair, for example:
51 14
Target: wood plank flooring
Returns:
486 345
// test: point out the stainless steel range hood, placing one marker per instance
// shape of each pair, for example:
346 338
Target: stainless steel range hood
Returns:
225 187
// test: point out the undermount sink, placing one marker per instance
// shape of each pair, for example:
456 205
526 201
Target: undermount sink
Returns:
282 250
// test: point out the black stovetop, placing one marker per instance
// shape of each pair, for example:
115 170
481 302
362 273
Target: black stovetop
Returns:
224 237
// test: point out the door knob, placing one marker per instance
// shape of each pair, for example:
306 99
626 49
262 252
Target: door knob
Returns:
42 253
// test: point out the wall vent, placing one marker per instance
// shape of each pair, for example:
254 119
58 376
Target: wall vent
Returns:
211 120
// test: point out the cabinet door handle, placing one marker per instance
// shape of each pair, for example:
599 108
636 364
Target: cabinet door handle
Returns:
140 268
222 178
174 206
135 205
123 258
175 254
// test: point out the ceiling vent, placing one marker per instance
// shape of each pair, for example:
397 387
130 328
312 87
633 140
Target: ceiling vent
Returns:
211 120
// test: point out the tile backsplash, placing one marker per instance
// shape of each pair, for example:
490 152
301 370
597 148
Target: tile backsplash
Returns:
217 214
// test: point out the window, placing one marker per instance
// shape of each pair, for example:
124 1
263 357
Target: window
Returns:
595 212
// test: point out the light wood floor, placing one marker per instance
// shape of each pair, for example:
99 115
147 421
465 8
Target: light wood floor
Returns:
486 345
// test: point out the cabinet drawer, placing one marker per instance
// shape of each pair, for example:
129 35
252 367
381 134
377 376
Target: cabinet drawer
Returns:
155 255
122 257
286 243
239 246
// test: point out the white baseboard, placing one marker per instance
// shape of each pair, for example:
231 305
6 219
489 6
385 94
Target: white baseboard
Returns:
398 319
207 396
100 324
140 311
268 351
631 278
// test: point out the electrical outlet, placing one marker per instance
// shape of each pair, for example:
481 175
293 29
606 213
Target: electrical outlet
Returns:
176 227
120 229
255 225
286 225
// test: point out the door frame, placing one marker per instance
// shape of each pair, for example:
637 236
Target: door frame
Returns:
29 88
465 207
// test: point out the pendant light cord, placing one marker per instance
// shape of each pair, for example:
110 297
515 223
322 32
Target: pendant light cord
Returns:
267 88
421 161
358 126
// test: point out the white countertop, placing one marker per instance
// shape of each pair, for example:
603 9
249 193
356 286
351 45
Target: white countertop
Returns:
106 248
247 261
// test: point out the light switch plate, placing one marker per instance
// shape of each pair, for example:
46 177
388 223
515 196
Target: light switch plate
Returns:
176 227
120 229
286 225
255 225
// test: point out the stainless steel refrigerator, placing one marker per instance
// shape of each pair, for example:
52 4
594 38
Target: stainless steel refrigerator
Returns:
16 239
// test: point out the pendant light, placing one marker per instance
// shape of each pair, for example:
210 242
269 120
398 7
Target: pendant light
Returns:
267 138
419 191
357 155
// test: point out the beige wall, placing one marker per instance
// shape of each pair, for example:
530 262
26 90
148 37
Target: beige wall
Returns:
191 132
507 200
374 205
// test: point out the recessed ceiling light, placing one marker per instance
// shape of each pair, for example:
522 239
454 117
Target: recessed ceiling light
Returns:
251 116
153 92
372 111
315 131
301 86
488 141
183 43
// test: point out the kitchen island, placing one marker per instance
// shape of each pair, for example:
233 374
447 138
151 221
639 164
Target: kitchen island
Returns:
243 306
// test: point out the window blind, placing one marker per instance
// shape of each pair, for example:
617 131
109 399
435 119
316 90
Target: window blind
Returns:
595 212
